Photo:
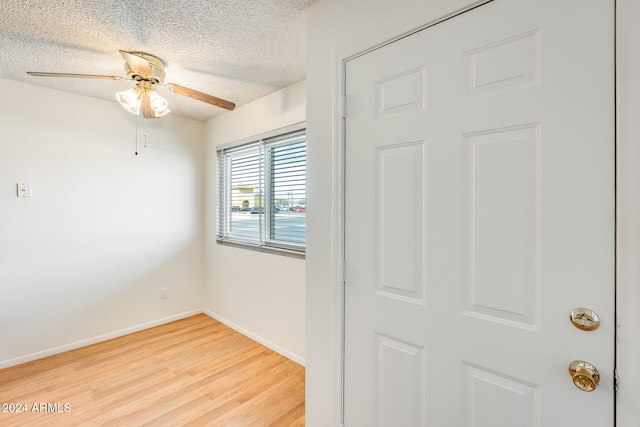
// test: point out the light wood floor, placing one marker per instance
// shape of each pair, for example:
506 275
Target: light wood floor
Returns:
194 371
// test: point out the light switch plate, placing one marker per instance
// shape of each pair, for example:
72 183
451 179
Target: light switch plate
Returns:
24 190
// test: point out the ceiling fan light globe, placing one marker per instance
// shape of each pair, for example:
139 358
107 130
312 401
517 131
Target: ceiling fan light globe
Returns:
162 112
130 100
158 104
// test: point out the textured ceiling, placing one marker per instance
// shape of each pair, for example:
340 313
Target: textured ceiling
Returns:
239 50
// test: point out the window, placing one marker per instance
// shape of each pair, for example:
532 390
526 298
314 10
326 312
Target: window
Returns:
262 192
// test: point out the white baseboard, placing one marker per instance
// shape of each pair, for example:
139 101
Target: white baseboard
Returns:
100 338
143 326
299 360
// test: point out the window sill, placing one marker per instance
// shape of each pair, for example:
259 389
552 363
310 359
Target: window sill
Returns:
262 248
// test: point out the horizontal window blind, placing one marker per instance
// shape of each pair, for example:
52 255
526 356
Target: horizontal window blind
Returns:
262 192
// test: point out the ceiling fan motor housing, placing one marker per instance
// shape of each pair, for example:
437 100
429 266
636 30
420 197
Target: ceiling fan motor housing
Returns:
155 73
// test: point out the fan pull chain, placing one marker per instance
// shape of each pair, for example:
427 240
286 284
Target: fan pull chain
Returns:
136 135
145 136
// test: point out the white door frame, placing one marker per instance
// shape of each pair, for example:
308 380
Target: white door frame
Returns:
628 212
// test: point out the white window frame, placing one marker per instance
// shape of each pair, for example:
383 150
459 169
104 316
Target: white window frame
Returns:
262 145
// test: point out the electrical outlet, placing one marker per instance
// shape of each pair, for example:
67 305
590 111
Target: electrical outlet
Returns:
164 293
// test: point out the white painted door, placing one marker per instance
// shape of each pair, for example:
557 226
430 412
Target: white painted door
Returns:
479 214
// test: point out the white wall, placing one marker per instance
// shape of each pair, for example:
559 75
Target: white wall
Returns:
85 257
260 294
338 29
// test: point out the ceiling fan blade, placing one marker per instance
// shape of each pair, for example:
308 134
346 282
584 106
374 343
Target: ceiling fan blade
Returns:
82 76
137 63
209 99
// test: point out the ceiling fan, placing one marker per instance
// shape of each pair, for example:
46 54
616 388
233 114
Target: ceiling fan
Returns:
147 70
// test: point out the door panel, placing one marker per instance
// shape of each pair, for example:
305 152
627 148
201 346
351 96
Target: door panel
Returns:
504 222
493 399
479 213
399 250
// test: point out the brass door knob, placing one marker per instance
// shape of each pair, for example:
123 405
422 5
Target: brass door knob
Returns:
585 376
585 319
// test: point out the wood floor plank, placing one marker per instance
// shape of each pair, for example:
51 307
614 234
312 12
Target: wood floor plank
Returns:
228 395
295 417
195 371
264 407
187 389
